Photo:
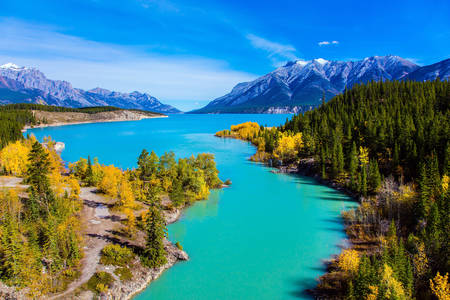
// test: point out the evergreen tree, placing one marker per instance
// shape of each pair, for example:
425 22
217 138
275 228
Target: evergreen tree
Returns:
340 158
363 183
424 189
323 163
177 193
374 176
143 165
154 253
353 165
41 195
89 172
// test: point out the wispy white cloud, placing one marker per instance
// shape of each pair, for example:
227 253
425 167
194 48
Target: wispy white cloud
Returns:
163 5
326 43
417 61
88 64
277 52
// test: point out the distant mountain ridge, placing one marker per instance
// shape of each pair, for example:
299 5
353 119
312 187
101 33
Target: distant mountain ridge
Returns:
300 85
22 84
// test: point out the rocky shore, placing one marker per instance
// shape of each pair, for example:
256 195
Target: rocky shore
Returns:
143 276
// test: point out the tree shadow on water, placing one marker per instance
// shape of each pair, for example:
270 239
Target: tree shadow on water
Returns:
302 288
338 198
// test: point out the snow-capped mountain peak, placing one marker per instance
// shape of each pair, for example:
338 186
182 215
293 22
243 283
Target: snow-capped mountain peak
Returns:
302 62
301 84
12 66
31 85
321 61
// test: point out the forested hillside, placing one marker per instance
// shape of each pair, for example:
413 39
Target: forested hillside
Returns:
388 143
40 234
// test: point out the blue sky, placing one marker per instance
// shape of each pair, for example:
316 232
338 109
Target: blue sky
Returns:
187 53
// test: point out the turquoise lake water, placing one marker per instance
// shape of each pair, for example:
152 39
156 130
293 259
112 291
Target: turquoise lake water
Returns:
265 237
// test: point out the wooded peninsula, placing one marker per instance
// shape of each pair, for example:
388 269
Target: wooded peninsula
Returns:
87 228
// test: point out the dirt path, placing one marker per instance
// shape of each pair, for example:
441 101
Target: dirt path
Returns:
99 229
12 182
99 226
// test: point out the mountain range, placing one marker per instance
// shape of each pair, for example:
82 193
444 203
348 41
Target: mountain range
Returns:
22 84
300 85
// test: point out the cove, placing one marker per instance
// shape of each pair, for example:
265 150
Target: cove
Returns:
265 237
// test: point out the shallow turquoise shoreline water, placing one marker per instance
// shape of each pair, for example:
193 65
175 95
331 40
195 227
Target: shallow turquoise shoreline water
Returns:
263 238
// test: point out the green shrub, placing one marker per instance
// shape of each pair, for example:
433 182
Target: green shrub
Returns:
100 282
116 255
124 273
178 245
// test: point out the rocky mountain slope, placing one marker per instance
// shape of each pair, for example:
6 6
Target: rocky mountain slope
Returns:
431 72
300 85
21 84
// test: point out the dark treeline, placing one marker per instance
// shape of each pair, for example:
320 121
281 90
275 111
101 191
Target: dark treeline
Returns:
389 143
400 122
12 123
52 108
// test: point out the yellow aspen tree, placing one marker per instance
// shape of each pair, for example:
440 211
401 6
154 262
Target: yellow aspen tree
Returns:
298 141
393 288
363 155
79 168
126 194
373 293
445 183
130 223
286 149
348 260
440 286
14 158
110 181
74 188
420 260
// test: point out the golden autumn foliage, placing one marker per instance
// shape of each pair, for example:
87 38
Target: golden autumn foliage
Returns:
363 155
10 204
111 181
14 158
79 168
440 286
406 194
288 146
126 195
245 131
39 264
203 189
392 288
420 260
348 260
445 182
373 293
74 188
130 223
